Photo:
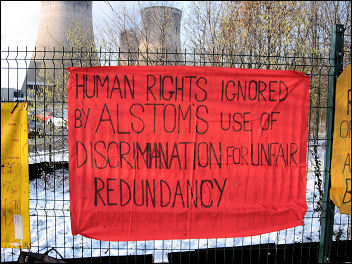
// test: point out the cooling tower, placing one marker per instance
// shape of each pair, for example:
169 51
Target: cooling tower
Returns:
128 47
161 33
63 25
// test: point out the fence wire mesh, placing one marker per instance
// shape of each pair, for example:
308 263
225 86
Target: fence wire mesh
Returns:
48 162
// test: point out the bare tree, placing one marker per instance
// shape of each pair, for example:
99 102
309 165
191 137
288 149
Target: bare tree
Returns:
266 27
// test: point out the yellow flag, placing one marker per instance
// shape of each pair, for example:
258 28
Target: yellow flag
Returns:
340 192
15 231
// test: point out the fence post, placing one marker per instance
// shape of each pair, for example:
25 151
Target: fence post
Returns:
327 216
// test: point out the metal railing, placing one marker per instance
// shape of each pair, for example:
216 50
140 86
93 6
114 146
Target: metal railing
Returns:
48 163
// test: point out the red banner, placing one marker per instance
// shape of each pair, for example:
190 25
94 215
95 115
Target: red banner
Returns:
179 152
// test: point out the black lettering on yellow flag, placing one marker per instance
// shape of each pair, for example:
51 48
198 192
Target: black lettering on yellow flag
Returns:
15 231
340 192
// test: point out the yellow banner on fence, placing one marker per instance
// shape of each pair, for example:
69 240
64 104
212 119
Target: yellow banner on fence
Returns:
15 231
340 192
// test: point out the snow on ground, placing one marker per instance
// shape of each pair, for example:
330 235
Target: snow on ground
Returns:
45 156
51 227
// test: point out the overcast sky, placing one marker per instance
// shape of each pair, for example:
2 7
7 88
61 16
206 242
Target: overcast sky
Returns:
19 28
20 22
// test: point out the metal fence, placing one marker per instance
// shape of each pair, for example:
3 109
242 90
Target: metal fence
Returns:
325 237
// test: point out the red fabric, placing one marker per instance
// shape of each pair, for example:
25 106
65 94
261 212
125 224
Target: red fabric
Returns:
167 167
44 118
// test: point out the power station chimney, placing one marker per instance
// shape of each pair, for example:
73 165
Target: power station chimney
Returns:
63 25
128 47
161 35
